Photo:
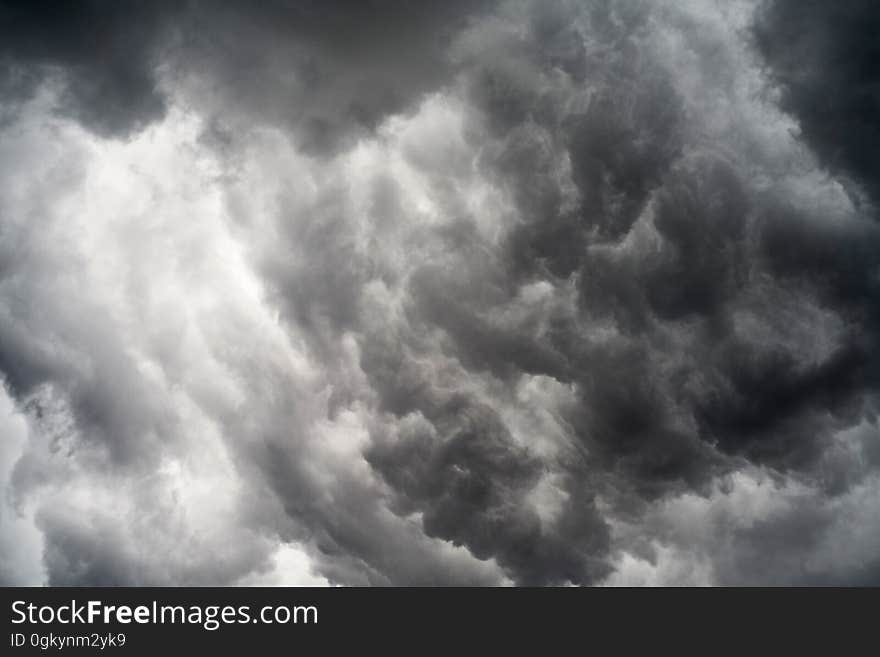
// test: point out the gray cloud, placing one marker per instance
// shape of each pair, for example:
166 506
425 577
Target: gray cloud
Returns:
824 57
329 72
103 56
480 293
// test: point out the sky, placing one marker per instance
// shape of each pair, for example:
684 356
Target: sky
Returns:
507 292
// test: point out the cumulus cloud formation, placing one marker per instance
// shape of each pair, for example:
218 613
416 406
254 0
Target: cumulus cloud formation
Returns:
468 293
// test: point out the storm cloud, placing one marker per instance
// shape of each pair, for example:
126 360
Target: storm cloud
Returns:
468 293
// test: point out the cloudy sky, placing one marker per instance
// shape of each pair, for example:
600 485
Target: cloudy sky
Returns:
420 293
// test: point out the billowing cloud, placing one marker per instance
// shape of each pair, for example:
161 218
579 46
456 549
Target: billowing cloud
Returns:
475 293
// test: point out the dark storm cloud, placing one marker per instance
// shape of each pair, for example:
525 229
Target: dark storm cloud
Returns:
826 58
104 55
326 69
671 250
625 150
562 286
466 475
684 393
